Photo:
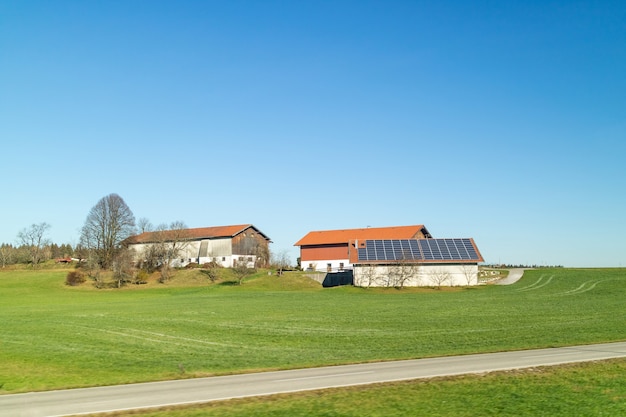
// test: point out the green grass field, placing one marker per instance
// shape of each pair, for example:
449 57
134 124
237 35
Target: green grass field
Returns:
54 336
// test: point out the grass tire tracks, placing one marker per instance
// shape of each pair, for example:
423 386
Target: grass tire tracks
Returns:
583 288
537 284
153 336
166 339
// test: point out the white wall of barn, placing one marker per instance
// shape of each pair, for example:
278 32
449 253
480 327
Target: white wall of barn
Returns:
325 264
415 275
202 251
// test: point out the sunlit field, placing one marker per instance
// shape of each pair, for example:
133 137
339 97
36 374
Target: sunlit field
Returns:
55 336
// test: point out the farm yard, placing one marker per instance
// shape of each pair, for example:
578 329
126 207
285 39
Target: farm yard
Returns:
54 336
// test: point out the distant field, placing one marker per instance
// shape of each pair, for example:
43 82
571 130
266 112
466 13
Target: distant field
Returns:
54 336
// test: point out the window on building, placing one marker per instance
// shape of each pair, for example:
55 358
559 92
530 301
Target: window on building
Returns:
329 267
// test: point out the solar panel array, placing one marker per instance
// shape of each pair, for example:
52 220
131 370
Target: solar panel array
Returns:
419 250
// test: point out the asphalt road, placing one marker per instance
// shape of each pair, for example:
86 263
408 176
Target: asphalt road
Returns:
155 394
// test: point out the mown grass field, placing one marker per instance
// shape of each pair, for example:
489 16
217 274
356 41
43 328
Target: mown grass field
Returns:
53 336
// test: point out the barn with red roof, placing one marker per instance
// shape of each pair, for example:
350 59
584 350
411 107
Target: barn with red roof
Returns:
389 257
329 250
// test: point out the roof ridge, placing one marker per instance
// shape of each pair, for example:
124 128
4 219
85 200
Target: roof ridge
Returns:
199 232
341 236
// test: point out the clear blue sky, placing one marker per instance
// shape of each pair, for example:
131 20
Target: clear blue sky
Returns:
504 121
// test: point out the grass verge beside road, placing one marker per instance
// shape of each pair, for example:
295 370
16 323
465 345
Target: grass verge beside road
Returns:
587 389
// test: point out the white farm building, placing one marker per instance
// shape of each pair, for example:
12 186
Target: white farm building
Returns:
415 262
224 245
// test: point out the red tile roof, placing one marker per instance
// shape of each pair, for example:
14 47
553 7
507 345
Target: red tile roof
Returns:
325 237
200 233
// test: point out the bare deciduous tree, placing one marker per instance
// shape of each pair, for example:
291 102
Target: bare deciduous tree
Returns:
6 254
368 275
108 223
34 239
470 273
211 270
122 267
93 269
439 277
386 277
144 225
280 261
167 245
178 236
403 271
262 256
153 256
242 269
394 275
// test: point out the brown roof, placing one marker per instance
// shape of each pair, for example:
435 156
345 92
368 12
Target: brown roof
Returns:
200 233
325 237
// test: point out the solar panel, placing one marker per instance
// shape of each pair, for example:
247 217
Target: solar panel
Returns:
419 250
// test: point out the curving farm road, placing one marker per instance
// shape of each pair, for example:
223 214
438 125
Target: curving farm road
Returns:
155 394
514 275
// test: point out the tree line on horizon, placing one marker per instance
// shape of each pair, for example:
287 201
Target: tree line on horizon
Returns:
11 254
108 223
